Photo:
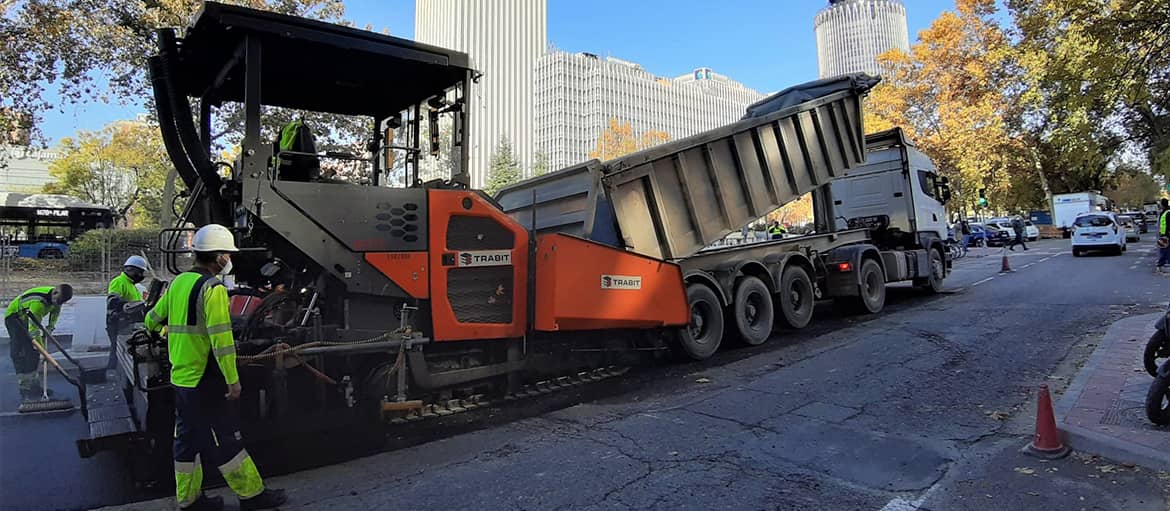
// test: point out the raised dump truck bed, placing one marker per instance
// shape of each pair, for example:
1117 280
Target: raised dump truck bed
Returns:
677 198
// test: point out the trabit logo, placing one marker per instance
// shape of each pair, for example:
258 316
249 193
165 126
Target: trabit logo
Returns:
485 258
621 282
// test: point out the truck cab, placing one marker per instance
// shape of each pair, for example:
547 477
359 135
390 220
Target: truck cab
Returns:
897 192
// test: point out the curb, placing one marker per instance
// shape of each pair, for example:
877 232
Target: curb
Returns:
1089 441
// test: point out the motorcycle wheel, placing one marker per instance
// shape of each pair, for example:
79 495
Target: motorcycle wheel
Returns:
1155 348
1158 402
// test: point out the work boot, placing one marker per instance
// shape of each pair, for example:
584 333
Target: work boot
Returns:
205 503
267 499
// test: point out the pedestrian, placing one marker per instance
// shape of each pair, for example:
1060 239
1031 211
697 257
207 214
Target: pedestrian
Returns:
965 234
37 302
1163 237
122 291
195 311
1018 227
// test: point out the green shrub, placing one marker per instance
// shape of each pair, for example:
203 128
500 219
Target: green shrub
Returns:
85 253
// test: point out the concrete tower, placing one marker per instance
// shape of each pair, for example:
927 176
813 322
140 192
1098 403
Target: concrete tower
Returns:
852 33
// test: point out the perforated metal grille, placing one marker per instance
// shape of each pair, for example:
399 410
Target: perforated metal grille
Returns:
481 295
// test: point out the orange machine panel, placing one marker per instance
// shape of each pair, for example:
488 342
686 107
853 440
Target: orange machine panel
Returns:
582 285
478 267
407 269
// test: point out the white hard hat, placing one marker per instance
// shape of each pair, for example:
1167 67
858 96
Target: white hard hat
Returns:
214 238
136 261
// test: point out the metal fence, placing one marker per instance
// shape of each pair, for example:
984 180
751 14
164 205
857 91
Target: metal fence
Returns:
88 270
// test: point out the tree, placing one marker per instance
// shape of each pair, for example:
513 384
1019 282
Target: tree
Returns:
95 50
799 211
504 170
1134 188
952 95
1099 69
539 164
618 140
123 166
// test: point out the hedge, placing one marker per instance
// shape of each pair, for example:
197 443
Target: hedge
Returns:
85 253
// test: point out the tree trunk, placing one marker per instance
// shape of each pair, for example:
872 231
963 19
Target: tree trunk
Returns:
1043 180
166 213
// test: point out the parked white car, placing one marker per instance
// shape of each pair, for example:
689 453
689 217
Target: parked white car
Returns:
1031 232
1097 231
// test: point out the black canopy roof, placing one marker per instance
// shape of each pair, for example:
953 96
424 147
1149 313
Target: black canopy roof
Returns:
311 65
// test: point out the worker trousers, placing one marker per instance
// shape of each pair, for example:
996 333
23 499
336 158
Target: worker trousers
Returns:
24 356
207 427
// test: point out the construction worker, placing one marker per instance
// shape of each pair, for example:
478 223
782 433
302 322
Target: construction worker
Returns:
38 301
194 309
122 291
776 231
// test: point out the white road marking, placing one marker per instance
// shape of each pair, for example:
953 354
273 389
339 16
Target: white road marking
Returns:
982 281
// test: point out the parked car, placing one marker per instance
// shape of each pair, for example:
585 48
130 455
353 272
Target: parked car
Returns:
998 234
989 236
1097 231
1131 229
1031 232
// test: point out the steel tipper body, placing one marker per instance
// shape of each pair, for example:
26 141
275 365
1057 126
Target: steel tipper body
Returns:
878 203
356 302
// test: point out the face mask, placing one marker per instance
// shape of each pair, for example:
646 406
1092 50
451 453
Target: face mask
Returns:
227 267
136 277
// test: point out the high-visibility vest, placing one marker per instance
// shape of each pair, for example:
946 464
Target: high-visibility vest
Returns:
1162 224
124 289
37 301
195 311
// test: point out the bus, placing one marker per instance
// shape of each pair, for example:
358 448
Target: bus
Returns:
41 225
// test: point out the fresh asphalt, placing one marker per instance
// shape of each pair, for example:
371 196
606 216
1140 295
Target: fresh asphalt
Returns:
920 407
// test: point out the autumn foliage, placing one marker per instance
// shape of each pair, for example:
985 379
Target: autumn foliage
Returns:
619 139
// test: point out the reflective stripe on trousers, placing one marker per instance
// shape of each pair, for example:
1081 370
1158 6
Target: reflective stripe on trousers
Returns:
206 424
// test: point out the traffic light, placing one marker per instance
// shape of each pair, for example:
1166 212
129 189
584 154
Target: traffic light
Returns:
982 198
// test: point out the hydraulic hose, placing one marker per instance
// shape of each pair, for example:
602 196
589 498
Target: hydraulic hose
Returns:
181 110
166 123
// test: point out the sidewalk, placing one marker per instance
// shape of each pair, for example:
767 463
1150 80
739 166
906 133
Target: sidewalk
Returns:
1103 411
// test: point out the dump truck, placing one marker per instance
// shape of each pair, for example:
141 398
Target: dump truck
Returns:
879 212
370 304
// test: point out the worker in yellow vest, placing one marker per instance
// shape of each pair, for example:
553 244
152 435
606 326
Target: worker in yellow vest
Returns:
37 302
122 291
202 351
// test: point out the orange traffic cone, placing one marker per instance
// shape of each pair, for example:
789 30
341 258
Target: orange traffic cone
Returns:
1004 267
1047 443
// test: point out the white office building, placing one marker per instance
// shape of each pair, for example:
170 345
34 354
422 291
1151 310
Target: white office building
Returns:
504 39
578 93
852 33
24 169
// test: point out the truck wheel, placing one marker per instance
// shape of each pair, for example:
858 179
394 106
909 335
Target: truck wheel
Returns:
1157 406
796 297
872 291
1156 348
753 309
933 282
702 336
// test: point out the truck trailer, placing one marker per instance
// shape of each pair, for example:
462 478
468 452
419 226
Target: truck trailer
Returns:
369 304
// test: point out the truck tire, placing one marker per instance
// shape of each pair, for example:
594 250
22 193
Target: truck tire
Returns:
1157 409
796 298
701 338
1156 348
933 282
871 291
753 311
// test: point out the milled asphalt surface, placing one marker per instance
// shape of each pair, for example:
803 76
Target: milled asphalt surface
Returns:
922 407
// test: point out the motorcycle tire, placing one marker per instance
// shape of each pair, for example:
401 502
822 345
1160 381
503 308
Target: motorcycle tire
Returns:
1155 348
1158 402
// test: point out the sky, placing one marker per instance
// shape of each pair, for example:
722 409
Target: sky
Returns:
765 44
